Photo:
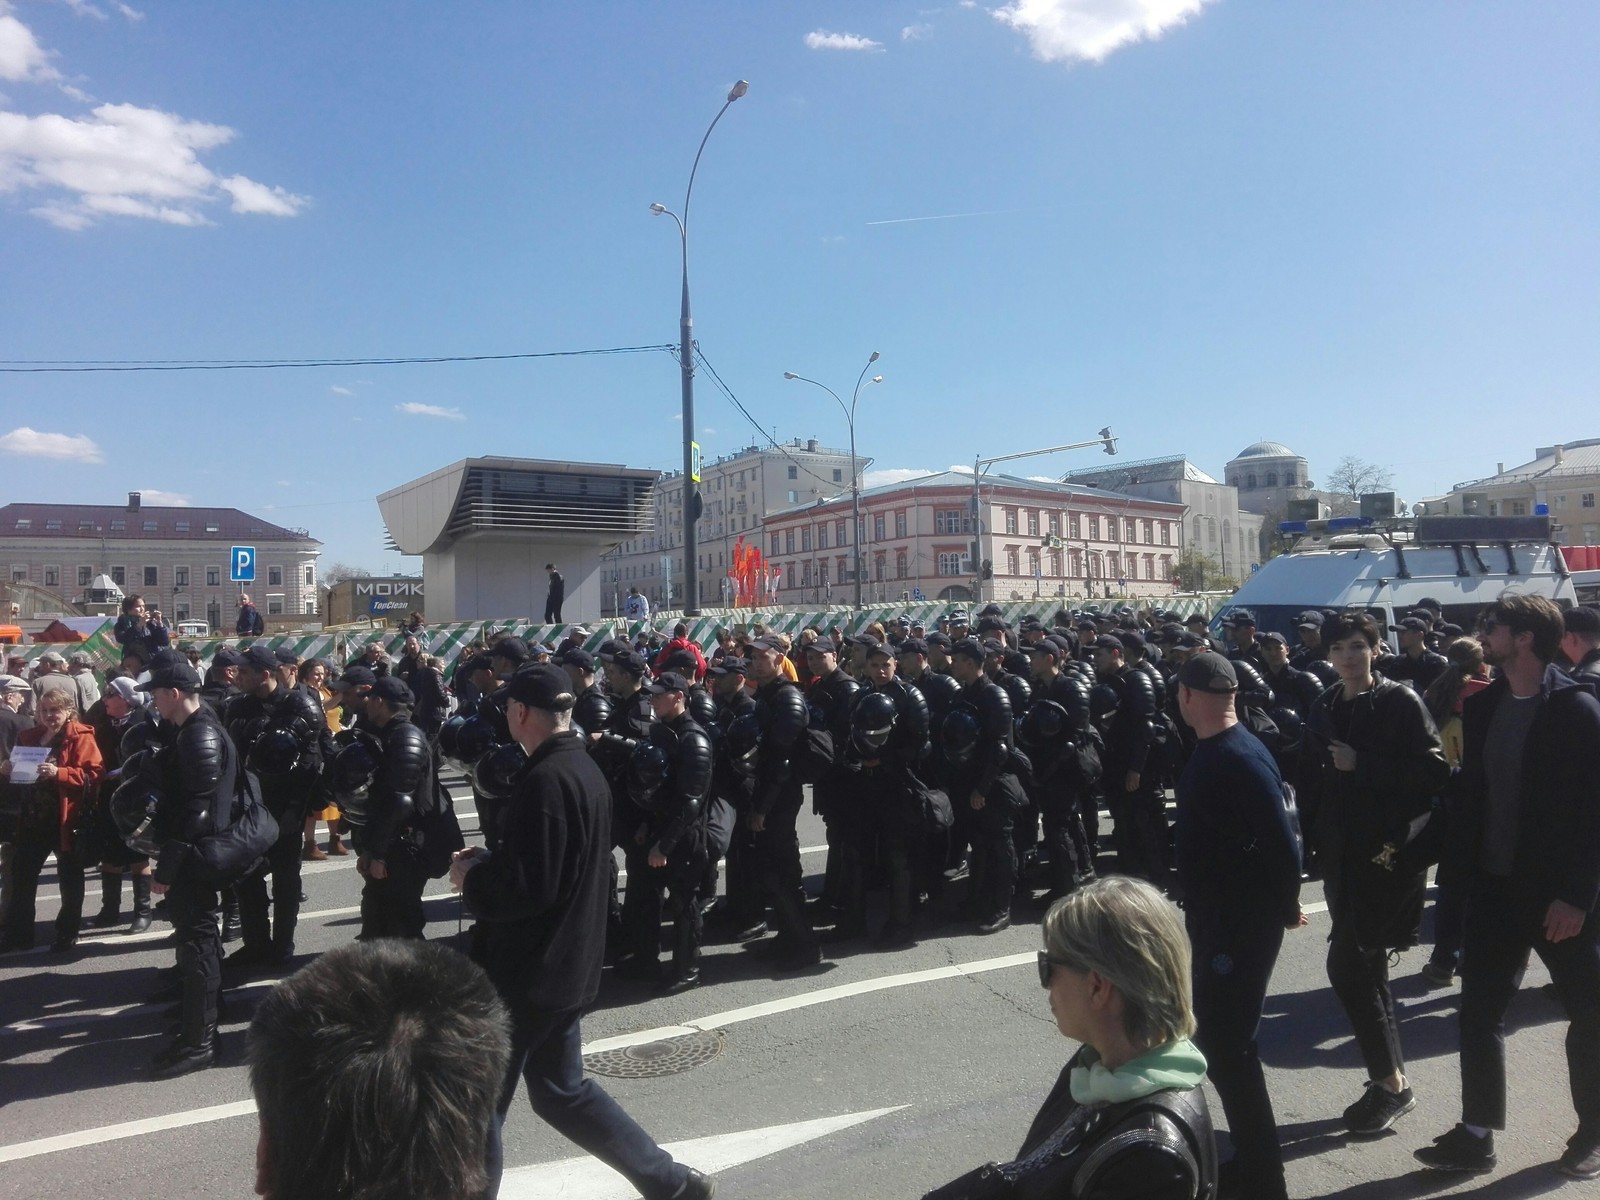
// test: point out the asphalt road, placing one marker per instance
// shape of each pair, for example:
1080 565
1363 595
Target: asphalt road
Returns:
874 1075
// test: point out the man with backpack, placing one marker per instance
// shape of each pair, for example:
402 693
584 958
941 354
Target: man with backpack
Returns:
403 792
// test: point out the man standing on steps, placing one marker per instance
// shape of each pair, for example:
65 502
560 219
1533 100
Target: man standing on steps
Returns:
541 902
554 597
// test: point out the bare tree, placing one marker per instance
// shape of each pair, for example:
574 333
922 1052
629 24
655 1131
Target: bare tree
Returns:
338 572
1352 479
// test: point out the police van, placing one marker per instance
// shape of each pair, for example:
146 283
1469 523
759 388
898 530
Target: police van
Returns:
1386 566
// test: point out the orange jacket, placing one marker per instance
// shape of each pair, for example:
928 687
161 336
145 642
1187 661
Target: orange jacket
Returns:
78 771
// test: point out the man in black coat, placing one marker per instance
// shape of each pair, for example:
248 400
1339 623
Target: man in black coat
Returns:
554 597
404 790
541 905
1524 839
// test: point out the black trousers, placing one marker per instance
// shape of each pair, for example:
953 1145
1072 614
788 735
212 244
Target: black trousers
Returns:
546 1051
1501 927
27 861
1360 978
746 902
1230 986
777 852
282 862
192 908
552 610
1140 832
1063 833
994 853
392 906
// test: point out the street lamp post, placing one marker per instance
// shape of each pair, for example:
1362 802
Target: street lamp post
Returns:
691 492
855 478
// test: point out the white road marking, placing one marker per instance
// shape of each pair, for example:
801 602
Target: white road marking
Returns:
128 1129
590 1179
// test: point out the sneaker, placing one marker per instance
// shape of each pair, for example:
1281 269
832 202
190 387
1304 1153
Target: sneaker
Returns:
696 1187
1459 1150
995 923
1438 974
1581 1159
1378 1109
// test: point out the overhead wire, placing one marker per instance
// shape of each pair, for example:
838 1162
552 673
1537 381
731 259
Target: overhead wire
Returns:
25 366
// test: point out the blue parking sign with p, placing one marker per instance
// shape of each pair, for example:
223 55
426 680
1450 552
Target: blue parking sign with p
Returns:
242 567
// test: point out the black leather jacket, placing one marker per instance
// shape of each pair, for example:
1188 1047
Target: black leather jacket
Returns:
1159 1147
593 710
1131 733
402 791
199 776
991 763
688 785
726 783
294 709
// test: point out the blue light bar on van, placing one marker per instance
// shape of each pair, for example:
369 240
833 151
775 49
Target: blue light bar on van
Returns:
1292 527
1344 524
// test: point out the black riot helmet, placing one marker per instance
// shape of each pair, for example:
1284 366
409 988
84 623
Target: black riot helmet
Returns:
354 769
276 752
495 775
141 764
1045 724
474 739
702 707
1103 702
871 723
959 733
140 735
648 769
447 735
134 808
742 740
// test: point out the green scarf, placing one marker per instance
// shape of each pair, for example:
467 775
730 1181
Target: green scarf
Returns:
1172 1065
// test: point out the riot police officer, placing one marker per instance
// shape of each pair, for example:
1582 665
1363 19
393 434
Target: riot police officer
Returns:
1133 790
828 699
629 722
977 737
670 781
775 804
402 790
1056 735
743 910
276 731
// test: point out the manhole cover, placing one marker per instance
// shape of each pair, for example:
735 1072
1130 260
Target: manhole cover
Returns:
670 1056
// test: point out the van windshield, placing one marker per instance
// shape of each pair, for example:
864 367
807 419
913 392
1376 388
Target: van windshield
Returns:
1284 619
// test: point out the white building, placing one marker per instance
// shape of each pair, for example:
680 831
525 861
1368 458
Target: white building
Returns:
737 492
1564 477
176 558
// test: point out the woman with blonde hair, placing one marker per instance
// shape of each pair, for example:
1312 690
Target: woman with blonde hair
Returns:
1127 1116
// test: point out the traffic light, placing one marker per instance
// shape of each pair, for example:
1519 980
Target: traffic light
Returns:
1109 439
988 569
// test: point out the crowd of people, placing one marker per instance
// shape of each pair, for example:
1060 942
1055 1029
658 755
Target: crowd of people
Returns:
961 773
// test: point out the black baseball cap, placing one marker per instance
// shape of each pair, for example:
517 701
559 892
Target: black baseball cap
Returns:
354 677
1044 646
1583 619
941 640
1275 637
914 645
668 681
992 624
680 660
577 657
630 661
1208 672
1131 639
1238 618
768 642
227 656
821 645
392 690
1196 616
169 674
969 648
1310 619
513 649
286 656
1415 624
478 662
540 685
886 649
729 665
1109 641
258 658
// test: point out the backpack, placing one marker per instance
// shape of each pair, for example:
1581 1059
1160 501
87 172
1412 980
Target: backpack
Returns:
436 834
233 852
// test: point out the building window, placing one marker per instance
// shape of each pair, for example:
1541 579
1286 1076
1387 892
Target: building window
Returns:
150 577
1055 524
1011 563
838 475
180 611
1033 522
52 524
899 524
213 527
950 563
275 607
1272 479
182 527
311 575
1055 563
274 576
1166 533
822 537
794 496
213 576
1519 508
840 534
119 576
52 577
118 525
879 528
794 472
1588 500
149 527
773 549
180 577
19 574
1249 481
24 523
311 608
85 574
900 565
805 538
1011 522
861 530
85 526
1094 528
1072 525
788 541
947 520
822 573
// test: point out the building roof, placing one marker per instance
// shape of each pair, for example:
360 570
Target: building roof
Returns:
1575 458
944 481
1265 450
1114 477
119 522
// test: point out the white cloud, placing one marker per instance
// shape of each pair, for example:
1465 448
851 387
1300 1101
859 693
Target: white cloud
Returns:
22 59
127 10
821 39
887 475
167 499
30 443
341 391
430 410
1089 30
912 32
118 160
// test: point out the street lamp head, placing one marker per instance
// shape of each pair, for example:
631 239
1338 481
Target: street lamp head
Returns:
873 359
876 379
790 375
658 209
737 90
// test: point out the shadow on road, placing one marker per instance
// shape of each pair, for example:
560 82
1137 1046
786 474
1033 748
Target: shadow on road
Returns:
1530 1181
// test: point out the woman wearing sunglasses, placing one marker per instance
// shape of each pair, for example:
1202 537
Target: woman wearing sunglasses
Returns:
1127 1116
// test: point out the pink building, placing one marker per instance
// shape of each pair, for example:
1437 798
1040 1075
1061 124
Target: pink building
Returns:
1041 539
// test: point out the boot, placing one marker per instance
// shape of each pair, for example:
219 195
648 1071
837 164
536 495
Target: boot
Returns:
685 971
335 847
230 917
110 900
141 904
196 1047
311 852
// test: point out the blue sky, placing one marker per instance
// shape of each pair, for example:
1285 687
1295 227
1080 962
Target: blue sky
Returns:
1356 228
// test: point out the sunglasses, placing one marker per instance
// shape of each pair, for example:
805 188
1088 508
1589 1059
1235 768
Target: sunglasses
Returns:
1490 624
1047 964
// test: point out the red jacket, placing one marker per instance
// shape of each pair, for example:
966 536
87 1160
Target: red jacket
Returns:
672 648
78 771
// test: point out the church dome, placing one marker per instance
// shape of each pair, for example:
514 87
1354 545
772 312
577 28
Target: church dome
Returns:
1266 450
